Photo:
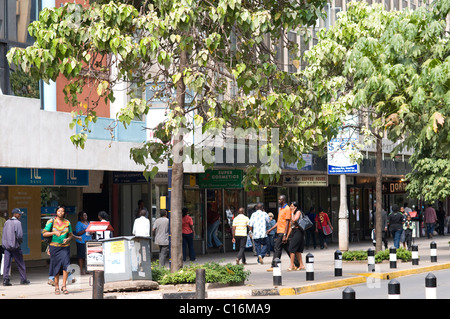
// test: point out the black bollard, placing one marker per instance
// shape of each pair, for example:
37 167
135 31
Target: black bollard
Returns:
433 252
348 293
337 263
200 282
276 270
430 286
98 284
309 267
415 254
393 257
394 289
371 259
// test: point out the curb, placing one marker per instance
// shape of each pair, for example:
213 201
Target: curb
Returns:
358 279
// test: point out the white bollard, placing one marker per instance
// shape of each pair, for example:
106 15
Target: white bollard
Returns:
430 286
394 289
433 252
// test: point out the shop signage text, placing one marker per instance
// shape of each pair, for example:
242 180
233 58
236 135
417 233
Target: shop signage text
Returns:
305 180
231 178
43 177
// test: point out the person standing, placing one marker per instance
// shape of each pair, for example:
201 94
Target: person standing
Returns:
80 230
257 226
141 226
310 232
140 207
430 219
11 240
161 236
61 232
323 228
395 223
296 237
270 234
239 233
187 230
408 228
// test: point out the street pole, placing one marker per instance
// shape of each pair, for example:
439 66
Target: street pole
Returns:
98 284
169 195
343 215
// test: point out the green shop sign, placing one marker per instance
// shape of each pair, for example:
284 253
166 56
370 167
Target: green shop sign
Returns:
230 178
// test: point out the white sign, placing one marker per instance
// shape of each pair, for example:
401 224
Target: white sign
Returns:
339 161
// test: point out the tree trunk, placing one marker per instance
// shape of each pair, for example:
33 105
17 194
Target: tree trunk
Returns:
176 200
378 194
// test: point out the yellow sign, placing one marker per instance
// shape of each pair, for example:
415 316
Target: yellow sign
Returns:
117 247
162 202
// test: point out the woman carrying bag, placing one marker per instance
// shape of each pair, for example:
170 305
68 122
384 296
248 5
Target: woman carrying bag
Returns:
323 227
296 237
61 232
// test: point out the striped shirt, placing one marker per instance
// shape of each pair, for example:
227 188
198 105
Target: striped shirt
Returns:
240 222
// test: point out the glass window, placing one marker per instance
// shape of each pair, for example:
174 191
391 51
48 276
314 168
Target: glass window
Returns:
193 202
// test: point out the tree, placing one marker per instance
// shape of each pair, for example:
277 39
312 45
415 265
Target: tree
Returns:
188 51
394 65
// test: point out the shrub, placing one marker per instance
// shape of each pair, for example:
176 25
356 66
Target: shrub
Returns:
402 254
214 273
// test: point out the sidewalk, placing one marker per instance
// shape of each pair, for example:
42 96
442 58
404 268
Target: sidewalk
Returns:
260 282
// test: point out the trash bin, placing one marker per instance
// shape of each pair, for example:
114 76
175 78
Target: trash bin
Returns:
127 258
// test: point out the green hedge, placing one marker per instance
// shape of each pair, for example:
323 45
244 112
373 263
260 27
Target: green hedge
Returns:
214 273
355 255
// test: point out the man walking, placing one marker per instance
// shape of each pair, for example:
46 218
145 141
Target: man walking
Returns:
161 236
257 225
11 240
239 232
282 226
430 219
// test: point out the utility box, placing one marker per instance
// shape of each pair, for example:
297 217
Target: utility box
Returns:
127 258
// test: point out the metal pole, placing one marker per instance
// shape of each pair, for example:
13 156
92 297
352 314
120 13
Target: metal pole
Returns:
98 284
200 279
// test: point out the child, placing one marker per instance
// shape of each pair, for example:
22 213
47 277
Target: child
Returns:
408 227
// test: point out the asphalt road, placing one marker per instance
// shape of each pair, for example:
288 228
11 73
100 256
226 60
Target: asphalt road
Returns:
411 287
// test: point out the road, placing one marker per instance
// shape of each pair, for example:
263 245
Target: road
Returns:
411 287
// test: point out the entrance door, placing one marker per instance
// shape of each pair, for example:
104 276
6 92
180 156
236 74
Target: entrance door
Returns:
222 206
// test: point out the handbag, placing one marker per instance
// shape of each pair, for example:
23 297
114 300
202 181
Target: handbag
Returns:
327 230
304 222
48 240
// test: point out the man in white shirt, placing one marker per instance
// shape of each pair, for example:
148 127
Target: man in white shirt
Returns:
257 225
141 225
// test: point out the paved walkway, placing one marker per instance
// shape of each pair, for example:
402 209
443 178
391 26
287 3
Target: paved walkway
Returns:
260 282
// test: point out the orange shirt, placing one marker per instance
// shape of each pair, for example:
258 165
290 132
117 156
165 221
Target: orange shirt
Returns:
283 215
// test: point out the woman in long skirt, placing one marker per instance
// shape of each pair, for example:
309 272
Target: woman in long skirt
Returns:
60 230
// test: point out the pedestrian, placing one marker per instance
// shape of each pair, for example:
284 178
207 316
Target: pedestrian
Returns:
80 230
270 234
187 230
282 228
239 233
12 238
384 227
213 224
140 207
440 213
257 224
103 217
408 228
310 232
60 230
296 237
141 226
161 236
430 219
395 223
323 228
402 236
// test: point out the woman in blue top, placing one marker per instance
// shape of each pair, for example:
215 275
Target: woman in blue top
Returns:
80 230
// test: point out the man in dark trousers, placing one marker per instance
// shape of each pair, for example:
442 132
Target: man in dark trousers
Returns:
11 241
